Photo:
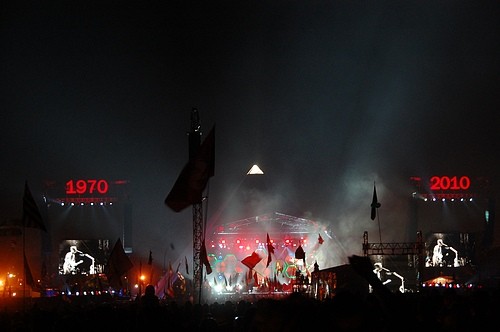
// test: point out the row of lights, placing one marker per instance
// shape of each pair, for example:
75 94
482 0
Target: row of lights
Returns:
444 197
249 245
86 201
84 204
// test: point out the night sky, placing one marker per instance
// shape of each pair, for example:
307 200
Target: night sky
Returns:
327 97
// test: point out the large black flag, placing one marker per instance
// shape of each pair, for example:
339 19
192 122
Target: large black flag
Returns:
31 214
118 264
375 204
30 281
189 186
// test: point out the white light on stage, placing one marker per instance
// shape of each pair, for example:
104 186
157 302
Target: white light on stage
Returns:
254 170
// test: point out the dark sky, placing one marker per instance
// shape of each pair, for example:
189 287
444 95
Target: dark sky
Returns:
325 96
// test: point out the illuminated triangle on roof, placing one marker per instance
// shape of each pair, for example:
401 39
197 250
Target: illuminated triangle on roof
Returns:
255 170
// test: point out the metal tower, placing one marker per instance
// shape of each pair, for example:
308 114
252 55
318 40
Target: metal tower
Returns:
194 144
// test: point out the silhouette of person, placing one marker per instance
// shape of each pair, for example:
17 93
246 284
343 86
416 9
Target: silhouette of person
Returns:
149 298
70 260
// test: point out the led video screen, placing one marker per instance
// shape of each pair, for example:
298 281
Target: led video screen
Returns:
83 257
445 250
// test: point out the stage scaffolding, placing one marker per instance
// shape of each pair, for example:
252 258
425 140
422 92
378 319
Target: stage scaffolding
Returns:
416 249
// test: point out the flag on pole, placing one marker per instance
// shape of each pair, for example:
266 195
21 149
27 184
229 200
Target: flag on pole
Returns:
300 254
375 204
30 281
270 250
170 282
252 260
31 214
189 186
204 258
117 265
320 239
150 259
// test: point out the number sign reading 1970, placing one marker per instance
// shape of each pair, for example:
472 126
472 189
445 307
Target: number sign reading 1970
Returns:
87 187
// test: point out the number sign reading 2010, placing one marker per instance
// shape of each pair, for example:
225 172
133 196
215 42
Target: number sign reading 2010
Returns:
86 187
449 183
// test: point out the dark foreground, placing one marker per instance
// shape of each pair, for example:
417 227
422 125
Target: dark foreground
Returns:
429 310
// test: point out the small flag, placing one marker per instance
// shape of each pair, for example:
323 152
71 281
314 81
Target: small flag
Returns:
204 258
189 186
252 260
320 239
270 250
31 214
375 204
300 254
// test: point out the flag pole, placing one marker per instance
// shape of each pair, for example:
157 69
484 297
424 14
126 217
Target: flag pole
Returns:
200 290
379 229
24 265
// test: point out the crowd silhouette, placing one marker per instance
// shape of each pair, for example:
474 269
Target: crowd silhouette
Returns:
431 309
